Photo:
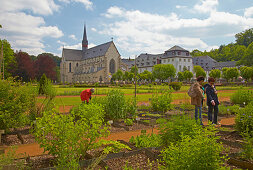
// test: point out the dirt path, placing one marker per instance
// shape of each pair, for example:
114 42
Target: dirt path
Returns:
34 148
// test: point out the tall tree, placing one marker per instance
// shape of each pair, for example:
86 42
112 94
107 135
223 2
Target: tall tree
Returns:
180 76
8 58
187 75
45 64
163 71
25 66
245 38
248 57
246 72
56 59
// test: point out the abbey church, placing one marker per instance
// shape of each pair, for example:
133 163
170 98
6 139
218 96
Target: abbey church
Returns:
96 64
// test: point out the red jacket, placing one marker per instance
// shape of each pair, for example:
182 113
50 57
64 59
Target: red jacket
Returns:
85 95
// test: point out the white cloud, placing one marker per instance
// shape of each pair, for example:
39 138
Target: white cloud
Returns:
26 32
180 6
73 37
76 46
248 12
94 29
135 31
87 3
43 7
206 6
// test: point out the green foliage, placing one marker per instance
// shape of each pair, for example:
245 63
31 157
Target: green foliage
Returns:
245 37
163 71
17 103
216 73
131 106
200 151
129 122
180 76
187 75
199 71
146 75
247 58
115 105
246 72
9 58
176 85
146 140
68 137
242 97
227 110
172 131
247 152
42 84
244 120
161 102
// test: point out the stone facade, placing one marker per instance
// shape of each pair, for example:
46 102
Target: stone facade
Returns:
96 64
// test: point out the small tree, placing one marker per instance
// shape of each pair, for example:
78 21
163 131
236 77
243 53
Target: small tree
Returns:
199 71
225 73
187 75
233 73
246 72
163 71
42 84
216 73
180 76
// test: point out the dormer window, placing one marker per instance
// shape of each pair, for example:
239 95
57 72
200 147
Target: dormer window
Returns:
187 54
179 53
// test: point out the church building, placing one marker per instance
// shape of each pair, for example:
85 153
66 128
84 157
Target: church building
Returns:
89 65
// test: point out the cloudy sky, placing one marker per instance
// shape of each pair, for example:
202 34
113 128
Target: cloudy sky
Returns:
136 26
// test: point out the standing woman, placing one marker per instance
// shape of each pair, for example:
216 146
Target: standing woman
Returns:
212 101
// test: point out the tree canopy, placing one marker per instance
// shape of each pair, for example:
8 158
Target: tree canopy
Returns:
163 71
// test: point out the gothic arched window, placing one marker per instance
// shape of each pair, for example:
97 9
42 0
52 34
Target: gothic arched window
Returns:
112 66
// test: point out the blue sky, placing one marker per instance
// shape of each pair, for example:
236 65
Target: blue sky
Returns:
137 26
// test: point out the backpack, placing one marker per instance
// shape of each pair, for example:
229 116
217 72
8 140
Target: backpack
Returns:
191 92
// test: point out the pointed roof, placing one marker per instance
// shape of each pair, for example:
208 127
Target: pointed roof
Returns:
176 48
84 33
97 51
72 55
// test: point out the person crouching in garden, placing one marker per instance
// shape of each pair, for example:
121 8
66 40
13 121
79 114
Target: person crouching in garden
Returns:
197 98
86 95
212 101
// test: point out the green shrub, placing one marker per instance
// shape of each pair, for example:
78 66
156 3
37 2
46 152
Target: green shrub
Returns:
197 152
247 152
17 104
242 97
131 107
176 85
244 119
68 137
228 110
129 122
161 102
180 124
146 140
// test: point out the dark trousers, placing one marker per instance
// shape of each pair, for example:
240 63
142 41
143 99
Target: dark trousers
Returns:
213 117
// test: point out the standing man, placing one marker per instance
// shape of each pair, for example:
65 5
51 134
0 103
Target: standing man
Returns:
86 95
197 96
212 101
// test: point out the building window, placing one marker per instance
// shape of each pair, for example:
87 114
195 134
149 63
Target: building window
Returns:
187 53
76 64
184 60
178 53
189 68
168 60
69 67
112 66
189 60
179 59
179 67
172 60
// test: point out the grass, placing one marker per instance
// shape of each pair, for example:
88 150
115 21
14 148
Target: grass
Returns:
74 100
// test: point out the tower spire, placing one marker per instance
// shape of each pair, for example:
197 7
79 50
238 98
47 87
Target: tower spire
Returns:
85 40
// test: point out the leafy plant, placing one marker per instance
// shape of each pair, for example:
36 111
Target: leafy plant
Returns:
176 85
172 130
244 120
242 97
194 152
146 140
161 102
129 122
247 152
17 103
68 137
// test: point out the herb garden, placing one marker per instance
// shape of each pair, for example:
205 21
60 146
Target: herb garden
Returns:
156 130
